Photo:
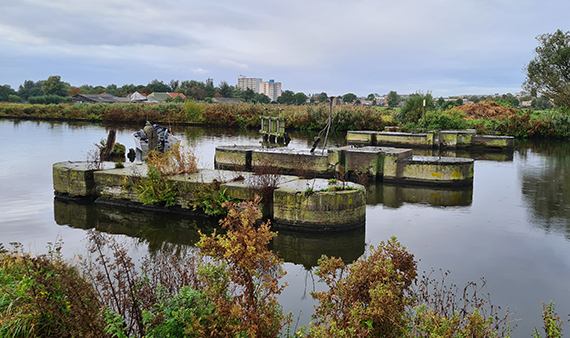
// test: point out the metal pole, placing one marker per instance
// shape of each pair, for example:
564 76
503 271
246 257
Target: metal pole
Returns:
333 101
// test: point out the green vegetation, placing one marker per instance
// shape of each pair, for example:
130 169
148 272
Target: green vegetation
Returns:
230 289
519 123
548 73
44 296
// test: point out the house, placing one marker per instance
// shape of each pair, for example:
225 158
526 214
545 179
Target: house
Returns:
137 97
163 97
175 95
158 97
98 98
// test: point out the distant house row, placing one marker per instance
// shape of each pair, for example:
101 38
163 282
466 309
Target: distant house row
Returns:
134 97
139 97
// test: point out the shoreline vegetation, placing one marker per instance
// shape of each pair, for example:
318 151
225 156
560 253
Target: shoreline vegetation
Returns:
487 117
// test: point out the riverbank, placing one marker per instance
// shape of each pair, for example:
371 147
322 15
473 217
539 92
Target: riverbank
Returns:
518 123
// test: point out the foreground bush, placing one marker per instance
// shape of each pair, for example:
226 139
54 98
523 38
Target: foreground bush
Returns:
43 296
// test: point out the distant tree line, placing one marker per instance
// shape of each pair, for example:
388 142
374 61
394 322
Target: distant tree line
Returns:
53 90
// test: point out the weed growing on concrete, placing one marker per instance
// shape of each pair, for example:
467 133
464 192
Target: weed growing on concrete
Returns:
179 160
210 199
157 188
265 181
93 159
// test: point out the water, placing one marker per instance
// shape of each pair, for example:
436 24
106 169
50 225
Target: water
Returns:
511 227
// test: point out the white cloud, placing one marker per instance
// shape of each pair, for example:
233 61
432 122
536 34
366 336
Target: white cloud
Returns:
199 71
371 43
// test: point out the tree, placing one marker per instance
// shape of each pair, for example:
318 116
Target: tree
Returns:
174 84
29 89
248 95
209 88
549 72
74 91
370 97
541 104
349 98
393 99
197 93
300 98
323 97
159 86
262 98
54 86
226 90
413 109
5 92
287 97
112 89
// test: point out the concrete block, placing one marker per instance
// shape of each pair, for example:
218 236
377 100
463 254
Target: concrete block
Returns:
306 204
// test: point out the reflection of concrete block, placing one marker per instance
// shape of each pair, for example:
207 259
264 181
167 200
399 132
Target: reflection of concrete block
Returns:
307 248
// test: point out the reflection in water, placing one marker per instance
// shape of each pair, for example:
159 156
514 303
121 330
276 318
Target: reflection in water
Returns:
306 248
546 187
155 229
174 232
394 196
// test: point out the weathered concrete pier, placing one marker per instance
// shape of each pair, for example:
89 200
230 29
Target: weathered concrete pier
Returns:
314 205
379 163
462 139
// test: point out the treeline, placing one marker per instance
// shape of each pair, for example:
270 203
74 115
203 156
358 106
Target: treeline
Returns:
54 90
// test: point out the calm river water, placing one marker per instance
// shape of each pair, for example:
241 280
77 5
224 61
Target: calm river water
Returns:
511 228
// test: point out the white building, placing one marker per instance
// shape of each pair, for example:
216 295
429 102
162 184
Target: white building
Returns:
271 89
248 82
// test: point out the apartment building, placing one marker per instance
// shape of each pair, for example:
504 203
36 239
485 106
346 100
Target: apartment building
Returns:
271 89
249 82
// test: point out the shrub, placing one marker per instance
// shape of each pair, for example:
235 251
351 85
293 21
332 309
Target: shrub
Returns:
413 109
42 296
368 298
452 119
243 281
193 111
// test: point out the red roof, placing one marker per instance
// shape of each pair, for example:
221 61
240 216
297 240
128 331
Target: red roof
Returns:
175 95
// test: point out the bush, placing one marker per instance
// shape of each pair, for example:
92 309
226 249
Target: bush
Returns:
452 119
368 298
413 109
42 296
193 111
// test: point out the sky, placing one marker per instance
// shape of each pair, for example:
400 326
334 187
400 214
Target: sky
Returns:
446 47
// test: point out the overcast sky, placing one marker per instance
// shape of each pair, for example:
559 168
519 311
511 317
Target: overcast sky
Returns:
448 47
